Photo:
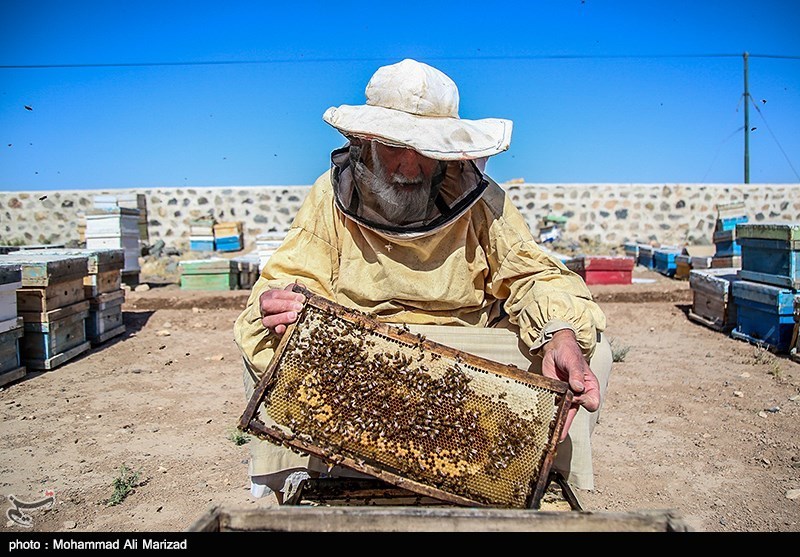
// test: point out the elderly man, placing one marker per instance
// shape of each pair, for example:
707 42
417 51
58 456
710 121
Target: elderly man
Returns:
408 227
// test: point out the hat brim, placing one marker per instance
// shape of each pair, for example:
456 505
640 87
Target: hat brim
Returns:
445 139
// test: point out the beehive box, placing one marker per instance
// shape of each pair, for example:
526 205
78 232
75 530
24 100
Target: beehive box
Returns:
711 298
10 281
683 265
266 244
726 244
201 243
764 314
104 267
216 273
105 317
771 253
57 338
631 249
432 519
734 261
603 269
794 351
664 260
389 403
645 258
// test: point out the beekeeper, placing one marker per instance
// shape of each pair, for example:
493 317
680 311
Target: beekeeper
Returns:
407 226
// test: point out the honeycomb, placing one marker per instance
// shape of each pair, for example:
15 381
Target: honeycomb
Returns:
378 399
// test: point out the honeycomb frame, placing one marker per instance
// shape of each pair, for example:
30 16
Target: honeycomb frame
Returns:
383 401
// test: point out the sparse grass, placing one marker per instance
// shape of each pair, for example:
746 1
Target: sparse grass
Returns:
618 353
123 484
762 356
238 437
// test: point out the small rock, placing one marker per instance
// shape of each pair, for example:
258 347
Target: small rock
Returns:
793 494
652 329
744 374
738 394
142 288
196 310
167 325
794 398
162 469
217 357
773 409
70 524
762 414
163 333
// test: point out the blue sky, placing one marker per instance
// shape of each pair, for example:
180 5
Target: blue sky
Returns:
599 90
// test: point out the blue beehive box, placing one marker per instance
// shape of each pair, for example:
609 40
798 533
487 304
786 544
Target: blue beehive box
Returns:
726 244
664 261
724 224
771 253
201 243
764 314
645 257
228 243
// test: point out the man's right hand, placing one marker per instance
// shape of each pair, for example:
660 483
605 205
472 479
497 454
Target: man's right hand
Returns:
279 308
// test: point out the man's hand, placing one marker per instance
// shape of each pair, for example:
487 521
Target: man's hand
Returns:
279 308
563 360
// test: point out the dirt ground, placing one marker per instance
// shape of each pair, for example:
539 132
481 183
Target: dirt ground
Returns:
695 421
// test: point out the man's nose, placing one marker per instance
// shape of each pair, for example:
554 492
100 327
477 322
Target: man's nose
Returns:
408 164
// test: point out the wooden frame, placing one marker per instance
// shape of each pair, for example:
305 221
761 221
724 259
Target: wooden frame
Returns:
511 376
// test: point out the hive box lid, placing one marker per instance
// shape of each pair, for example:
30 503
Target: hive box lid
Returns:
601 263
42 270
773 296
780 231
699 251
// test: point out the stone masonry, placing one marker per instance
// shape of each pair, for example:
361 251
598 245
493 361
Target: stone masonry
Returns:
609 214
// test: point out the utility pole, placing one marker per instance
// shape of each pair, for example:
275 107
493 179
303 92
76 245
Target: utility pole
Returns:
746 124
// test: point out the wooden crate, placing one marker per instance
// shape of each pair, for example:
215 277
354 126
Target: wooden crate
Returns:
47 345
442 411
726 243
11 367
221 281
711 298
734 261
101 283
771 253
201 243
431 519
794 351
664 261
229 243
105 317
764 314
645 258
98 260
683 264
10 281
40 270
603 269
51 297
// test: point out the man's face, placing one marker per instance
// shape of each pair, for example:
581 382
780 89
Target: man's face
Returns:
403 185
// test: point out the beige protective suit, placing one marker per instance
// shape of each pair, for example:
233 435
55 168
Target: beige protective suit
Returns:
483 267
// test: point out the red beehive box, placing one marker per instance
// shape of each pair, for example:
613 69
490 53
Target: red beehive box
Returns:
603 269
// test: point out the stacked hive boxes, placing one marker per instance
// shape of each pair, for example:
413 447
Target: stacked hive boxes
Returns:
216 273
137 201
765 296
228 236
116 228
53 306
102 288
645 257
11 324
728 252
266 245
201 234
692 257
249 271
603 269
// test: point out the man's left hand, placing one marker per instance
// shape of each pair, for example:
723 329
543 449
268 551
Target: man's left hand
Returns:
563 360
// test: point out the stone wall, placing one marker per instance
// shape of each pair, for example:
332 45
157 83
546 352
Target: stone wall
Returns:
609 214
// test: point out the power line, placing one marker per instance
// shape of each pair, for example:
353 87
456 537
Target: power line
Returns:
377 59
775 138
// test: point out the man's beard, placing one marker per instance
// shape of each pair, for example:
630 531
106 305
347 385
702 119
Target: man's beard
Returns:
399 199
